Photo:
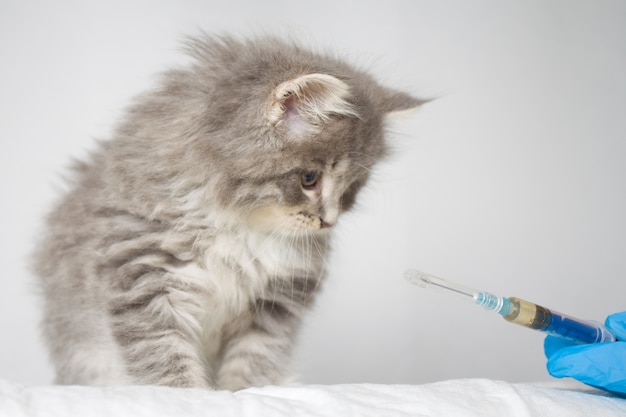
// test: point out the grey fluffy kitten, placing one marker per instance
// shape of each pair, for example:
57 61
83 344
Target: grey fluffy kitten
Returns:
193 241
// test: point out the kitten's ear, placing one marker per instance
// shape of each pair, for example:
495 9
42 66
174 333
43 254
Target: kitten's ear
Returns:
393 101
302 103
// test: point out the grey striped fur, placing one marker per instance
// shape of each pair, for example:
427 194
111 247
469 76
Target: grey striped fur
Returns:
192 242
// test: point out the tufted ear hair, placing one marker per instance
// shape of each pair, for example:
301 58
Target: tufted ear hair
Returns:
391 101
303 103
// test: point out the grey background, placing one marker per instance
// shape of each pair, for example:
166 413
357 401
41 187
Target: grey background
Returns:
512 181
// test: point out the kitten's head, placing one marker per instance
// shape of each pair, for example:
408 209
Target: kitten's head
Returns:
278 137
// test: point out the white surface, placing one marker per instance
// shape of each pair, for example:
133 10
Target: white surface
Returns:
513 181
459 398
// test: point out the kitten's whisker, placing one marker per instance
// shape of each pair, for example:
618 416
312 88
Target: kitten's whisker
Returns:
361 166
372 159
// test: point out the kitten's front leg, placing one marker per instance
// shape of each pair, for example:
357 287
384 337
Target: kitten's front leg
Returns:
260 354
155 326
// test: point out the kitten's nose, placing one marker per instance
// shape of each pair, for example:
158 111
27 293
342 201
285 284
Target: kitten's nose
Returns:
329 215
324 224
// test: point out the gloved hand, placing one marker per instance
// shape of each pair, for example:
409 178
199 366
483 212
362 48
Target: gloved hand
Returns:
602 365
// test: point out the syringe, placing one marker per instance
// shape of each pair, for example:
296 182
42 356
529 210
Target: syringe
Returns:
521 312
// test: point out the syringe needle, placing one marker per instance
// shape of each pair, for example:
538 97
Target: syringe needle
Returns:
449 287
426 280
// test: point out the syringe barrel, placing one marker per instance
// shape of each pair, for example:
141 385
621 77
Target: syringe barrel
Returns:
536 317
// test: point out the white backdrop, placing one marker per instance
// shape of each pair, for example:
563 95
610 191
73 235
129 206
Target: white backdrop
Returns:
512 181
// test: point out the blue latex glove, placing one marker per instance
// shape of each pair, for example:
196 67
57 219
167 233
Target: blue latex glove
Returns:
602 365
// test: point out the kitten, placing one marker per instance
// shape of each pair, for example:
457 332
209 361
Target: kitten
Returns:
191 244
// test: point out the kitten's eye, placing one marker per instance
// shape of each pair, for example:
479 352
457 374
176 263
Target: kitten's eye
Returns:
309 179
